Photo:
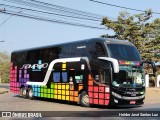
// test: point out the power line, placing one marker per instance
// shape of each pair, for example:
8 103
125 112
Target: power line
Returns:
50 13
49 20
55 8
121 6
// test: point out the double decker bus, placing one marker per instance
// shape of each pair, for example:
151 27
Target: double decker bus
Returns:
98 71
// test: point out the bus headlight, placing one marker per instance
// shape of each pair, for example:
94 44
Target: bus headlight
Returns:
116 95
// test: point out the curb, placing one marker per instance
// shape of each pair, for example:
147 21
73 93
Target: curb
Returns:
3 92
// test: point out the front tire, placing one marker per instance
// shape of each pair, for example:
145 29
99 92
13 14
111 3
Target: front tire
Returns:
84 99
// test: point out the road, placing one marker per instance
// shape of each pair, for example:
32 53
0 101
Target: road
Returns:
12 102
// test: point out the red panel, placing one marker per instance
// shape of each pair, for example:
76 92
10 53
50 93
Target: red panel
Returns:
95 88
91 100
90 88
90 94
95 95
107 96
101 102
101 95
106 102
101 89
95 101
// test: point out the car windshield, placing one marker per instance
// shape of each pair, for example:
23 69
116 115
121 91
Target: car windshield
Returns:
129 76
123 52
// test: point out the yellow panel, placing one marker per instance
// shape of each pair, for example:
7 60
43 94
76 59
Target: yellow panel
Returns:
63 92
63 87
55 91
59 86
67 86
55 97
67 92
63 97
63 65
59 96
59 91
67 97
55 86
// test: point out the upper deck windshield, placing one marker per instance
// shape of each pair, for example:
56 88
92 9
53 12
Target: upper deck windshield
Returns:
123 52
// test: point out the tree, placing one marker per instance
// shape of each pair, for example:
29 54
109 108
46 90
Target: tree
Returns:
4 67
138 30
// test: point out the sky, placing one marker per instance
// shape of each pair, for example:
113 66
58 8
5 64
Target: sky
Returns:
21 33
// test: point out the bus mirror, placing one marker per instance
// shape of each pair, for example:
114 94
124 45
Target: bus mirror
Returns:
113 61
149 67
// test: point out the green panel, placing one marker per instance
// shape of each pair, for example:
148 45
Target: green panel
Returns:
48 90
52 85
48 95
51 95
42 94
44 86
45 90
52 91
45 95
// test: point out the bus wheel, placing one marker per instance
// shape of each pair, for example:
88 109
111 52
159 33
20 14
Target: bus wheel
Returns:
21 92
24 93
30 94
84 99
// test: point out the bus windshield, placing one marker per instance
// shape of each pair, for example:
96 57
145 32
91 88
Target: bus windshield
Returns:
129 76
123 52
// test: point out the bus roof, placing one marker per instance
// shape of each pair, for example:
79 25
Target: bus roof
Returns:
108 40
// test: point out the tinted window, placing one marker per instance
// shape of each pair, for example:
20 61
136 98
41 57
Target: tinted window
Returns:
123 52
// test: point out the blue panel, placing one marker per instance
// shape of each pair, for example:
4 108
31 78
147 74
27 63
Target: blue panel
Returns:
64 76
38 94
56 76
38 89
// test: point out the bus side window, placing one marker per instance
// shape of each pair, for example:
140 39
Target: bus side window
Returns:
64 77
56 76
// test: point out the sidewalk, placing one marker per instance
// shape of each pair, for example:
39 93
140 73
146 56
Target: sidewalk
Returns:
152 95
3 90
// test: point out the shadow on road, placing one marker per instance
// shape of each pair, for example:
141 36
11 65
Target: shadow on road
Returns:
100 107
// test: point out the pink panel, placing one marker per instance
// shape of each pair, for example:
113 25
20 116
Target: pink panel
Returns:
101 95
90 88
101 89
106 102
101 102
90 94
15 67
107 96
95 95
95 101
91 100
95 88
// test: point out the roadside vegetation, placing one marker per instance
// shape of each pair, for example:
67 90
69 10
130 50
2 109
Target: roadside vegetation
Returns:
4 67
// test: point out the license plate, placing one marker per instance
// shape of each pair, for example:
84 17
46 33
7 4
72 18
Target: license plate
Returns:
132 102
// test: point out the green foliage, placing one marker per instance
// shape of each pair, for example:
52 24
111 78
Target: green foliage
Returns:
4 66
137 29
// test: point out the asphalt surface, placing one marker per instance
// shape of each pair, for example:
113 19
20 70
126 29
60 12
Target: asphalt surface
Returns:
12 102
